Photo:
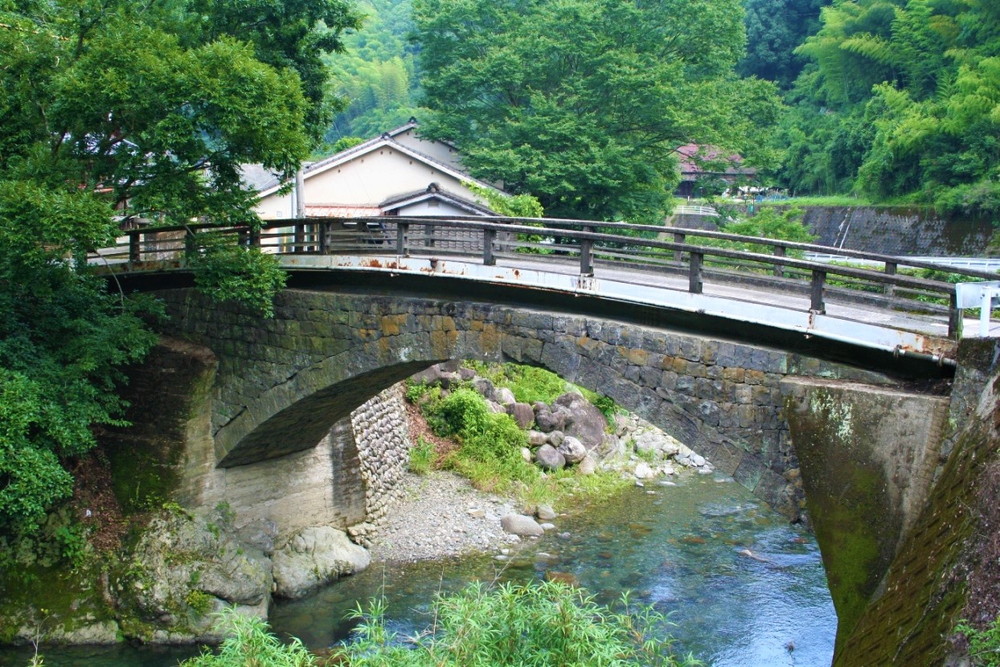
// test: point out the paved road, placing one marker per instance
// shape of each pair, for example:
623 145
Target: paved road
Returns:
857 324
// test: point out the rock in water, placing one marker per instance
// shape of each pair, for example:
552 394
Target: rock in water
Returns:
644 471
313 557
519 524
545 512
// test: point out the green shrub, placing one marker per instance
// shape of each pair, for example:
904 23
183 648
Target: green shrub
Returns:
249 644
542 623
199 601
416 391
422 456
490 443
984 645
72 543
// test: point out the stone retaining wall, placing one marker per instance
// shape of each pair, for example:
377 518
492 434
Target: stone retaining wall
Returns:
383 440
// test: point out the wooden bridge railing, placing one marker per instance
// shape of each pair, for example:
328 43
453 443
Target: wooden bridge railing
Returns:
764 263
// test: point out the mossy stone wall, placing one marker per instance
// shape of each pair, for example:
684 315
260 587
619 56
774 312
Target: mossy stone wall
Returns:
911 617
867 456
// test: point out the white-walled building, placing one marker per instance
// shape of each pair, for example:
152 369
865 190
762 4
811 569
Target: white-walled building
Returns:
398 173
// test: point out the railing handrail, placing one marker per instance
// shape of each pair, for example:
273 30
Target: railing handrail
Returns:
564 225
590 233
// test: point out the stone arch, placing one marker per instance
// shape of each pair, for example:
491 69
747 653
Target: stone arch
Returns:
282 383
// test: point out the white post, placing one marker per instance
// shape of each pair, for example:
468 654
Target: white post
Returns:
300 195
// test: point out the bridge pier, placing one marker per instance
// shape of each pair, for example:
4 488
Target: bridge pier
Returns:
867 457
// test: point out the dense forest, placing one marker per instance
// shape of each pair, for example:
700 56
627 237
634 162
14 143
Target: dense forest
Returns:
894 101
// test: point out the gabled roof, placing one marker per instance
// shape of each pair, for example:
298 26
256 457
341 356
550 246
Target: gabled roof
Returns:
695 156
434 191
386 139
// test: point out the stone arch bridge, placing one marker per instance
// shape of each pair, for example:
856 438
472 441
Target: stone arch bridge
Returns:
782 382
282 383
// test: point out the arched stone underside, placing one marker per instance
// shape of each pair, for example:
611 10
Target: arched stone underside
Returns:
283 382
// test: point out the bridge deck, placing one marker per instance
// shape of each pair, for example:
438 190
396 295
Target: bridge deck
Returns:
765 282
853 323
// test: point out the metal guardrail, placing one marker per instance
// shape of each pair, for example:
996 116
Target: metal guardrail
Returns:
690 209
765 263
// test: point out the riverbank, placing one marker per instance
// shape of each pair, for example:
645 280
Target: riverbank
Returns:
440 515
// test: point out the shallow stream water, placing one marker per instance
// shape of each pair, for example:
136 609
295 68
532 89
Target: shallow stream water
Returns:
741 586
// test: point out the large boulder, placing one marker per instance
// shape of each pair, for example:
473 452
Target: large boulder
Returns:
504 396
652 441
572 449
313 557
522 414
588 466
445 374
183 568
521 525
547 419
484 387
536 438
548 458
583 421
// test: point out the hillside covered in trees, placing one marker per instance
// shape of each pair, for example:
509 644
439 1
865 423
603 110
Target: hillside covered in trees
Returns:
892 100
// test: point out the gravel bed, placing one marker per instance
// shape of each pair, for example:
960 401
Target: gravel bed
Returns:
440 515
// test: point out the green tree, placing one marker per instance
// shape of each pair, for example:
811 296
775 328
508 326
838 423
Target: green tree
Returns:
900 102
286 34
113 111
774 29
583 103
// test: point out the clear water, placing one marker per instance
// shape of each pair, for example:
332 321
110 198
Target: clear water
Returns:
680 548
675 547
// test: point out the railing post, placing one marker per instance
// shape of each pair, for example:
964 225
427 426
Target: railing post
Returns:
679 237
816 304
189 244
254 238
489 236
694 273
587 254
890 270
779 269
299 241
400 238
324 243
954 317
134 248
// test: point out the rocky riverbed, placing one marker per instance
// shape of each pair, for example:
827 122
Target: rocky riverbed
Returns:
440 515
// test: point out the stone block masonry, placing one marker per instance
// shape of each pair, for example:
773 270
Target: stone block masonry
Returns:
283 382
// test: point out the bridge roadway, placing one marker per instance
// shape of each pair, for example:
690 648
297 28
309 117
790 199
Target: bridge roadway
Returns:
857 305
854 323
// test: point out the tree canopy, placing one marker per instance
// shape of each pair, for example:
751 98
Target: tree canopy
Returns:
901 100
115 110
583 103
774 29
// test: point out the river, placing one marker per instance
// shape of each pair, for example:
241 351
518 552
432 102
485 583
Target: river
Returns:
741 586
